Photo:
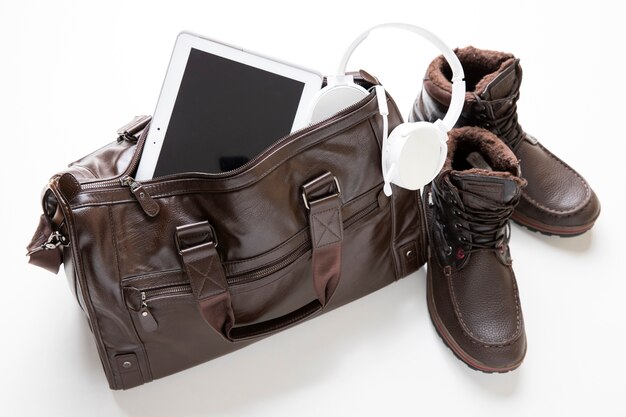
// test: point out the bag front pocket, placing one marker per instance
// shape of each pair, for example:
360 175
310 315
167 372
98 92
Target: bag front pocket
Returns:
140 302
283 269
165 313
146 293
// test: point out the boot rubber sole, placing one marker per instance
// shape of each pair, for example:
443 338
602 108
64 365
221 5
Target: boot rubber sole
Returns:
449 341
550 230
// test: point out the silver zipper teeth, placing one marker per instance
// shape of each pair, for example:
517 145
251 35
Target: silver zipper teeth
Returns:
298 252
362 213
184 288
102 184
116 181
266 271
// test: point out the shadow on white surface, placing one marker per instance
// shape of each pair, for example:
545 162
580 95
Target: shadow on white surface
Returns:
66 92
501 385
88 352
306 358
577 244
298 359
494 384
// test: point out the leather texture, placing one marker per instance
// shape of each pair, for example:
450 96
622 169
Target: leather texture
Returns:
181 269
557 200
473 297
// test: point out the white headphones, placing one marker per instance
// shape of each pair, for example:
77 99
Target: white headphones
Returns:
414 153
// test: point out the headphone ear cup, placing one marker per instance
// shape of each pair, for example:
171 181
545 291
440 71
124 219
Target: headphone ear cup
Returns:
419 151
334 98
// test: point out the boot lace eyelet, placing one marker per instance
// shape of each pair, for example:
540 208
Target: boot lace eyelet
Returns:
448 250
457 225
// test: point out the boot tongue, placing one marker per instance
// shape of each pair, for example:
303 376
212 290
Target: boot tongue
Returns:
492 189
505 84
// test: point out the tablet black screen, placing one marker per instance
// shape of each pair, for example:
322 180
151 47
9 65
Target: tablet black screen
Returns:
225 113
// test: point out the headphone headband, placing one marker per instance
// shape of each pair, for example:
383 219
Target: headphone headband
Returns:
458 77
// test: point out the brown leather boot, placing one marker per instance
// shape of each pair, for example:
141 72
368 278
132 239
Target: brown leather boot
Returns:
472 293
558 200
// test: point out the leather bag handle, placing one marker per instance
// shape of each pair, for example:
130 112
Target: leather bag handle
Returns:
197 246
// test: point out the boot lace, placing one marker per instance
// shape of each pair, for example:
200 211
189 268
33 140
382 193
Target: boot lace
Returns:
483 226
506 125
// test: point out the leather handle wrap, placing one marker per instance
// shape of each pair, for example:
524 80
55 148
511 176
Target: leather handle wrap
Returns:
197 246
326 229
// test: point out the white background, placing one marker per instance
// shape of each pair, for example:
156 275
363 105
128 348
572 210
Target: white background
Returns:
71 73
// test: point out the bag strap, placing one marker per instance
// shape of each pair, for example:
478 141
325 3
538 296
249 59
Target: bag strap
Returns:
197 245
44 249
46 246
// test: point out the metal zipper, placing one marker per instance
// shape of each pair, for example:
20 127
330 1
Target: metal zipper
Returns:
138 123
296 253
136 157
247 277
147 203
361 214
159 292
253 276
146 318
151 294
148 321
150 206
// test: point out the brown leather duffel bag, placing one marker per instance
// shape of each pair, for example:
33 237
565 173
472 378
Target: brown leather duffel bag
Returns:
181 269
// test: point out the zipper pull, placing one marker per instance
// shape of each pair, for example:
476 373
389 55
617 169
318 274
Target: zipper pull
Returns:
147 320
148 204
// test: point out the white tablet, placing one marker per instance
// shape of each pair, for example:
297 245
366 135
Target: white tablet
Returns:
220 106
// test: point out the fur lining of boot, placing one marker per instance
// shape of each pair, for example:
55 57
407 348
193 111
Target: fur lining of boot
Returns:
480 66
465 140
